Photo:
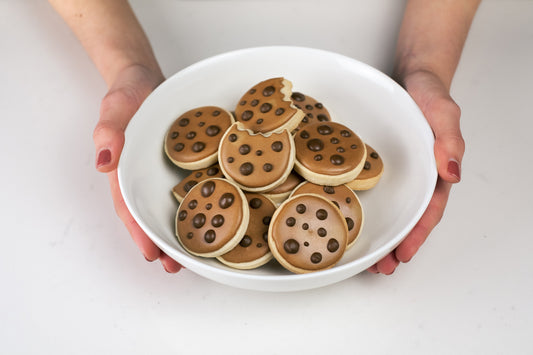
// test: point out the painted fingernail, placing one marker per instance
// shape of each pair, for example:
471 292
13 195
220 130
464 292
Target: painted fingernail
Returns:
104 158
454 169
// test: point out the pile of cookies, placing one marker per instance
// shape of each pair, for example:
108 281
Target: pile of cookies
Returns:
275 178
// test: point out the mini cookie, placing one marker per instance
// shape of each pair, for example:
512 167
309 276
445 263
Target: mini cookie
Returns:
192 140
328 153
256 162
342 197
180 190
371 173
267 107
307 233
314 110
253 251
212 218
282 192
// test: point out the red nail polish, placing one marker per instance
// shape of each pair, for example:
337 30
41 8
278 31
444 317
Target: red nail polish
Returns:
454 169
104 158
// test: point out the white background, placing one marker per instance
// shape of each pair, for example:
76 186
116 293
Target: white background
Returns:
73 282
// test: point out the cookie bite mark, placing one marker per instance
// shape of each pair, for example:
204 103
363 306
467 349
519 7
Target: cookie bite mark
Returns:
256 162
371 173
267 107
328 153
307 233
184 186
212 218
192 140
253 251
345 199
314 110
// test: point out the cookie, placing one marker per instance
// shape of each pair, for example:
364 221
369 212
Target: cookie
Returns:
267 107
253 251
307 233
180 190
256 162
371 173
192 140
212 218
328 153
314 110
283 191
342 197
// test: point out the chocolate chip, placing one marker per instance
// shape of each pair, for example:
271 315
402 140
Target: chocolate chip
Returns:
246 168
304 134
208 188
198 113
175 135
198 174
231 160
319 105
232 137
269 90
334 140
246 241
298 96
217 220
318 157
301 208
308 107
210 236
189 185
321 214
306 244
259 121
305 119
265 107
350 223
367 165
190 235
259 152
247 115
336 159
212 130
198 220
324 130
243 102
254 102
305 226
291 221
212 171
353 146
348 200
333 245
255 203
201 124
322 118
265 236
340 149
244 149
182 215
179 147
277 146
183 122
291 246
226 200
268 167
329 189
315 145
259 245
198 147
216 113
266 220
322 232
192 204
374 155
252 91
208 206
190 135
345 133
280 111
316 258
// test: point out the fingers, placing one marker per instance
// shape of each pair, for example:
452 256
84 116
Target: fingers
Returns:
386 266
170 265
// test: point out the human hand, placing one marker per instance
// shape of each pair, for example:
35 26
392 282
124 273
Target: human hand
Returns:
129 89
442 114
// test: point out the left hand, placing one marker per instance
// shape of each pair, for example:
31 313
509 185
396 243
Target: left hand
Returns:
442 114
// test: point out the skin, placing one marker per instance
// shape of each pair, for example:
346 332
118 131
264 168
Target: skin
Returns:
428 51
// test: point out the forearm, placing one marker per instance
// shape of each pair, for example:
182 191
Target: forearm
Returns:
432 37
110 33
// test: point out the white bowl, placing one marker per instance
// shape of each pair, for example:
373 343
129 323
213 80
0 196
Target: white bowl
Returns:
357 95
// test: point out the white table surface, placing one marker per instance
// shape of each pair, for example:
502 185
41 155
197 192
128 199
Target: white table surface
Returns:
73 282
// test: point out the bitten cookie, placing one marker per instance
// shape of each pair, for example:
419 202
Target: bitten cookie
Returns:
328 153
342 197
307 233
371 173
180 190
256 162
282 192
314 110
267 107
253 251
192 140
212 218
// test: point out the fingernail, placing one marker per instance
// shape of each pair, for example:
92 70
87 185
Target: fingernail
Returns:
104 158
454 169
